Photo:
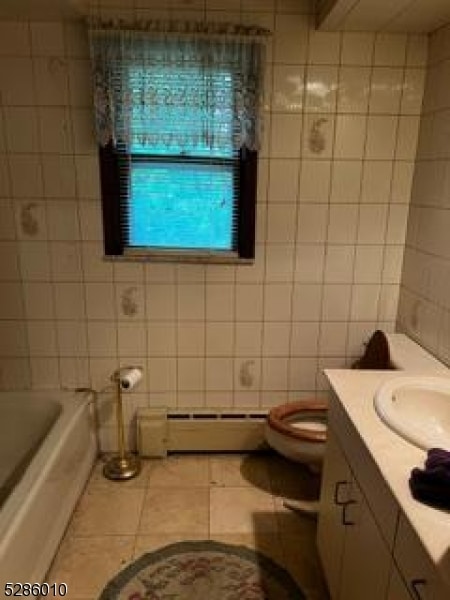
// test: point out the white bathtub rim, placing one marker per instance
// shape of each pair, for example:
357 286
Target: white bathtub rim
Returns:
41 463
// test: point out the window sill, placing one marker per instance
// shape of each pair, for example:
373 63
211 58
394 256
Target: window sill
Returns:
142 255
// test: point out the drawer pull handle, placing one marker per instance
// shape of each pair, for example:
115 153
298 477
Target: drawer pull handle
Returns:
416 584
344 519
338 485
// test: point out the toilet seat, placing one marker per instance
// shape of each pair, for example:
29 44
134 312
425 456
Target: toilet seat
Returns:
280 416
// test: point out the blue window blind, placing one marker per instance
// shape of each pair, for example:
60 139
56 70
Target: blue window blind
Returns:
179 205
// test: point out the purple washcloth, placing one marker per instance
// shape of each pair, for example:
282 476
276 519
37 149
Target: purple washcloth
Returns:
432 484
437 456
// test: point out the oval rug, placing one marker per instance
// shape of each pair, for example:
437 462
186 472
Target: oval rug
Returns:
204 570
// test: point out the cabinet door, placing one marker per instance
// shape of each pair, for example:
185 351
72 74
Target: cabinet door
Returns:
420 574
336 479
397 589
367 561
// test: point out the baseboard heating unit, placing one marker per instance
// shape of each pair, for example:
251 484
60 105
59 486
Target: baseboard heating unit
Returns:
160 431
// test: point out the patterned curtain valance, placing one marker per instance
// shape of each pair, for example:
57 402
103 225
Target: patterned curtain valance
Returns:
192 87
177 27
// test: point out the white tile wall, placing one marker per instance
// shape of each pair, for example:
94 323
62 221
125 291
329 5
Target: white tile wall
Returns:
335 175
424 303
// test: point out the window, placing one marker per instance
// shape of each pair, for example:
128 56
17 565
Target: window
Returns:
178 160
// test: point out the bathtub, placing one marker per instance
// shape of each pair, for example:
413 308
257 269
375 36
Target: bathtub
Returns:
47 449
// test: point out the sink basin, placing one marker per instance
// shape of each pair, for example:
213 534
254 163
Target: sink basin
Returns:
417 409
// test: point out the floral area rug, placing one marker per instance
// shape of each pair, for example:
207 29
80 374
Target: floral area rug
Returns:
202 571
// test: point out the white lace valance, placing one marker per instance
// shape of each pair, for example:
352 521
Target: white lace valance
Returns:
187 87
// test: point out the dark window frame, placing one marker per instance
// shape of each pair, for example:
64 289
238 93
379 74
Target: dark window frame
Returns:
114 182
115 168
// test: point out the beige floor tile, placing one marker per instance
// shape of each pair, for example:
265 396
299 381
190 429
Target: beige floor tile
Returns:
239 471
87 564
178 471
241 510
102 512
292 480
302 561
178 505
98 480
175 510
291 522
150 543
266 543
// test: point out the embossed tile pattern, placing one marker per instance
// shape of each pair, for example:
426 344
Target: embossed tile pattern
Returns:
341 120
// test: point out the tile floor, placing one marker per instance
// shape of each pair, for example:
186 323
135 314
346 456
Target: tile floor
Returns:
236 499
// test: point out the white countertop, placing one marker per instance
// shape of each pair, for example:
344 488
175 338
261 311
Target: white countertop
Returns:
394 456
408 355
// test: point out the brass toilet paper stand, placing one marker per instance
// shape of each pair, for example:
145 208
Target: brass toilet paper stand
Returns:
124 465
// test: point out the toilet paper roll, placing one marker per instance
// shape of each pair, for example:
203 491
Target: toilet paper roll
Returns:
130 377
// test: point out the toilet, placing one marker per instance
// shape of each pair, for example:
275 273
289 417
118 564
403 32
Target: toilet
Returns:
298 431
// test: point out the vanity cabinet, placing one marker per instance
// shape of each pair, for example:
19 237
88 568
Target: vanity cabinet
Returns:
419 574
397 588
336 479
354 555
366 545
366 562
